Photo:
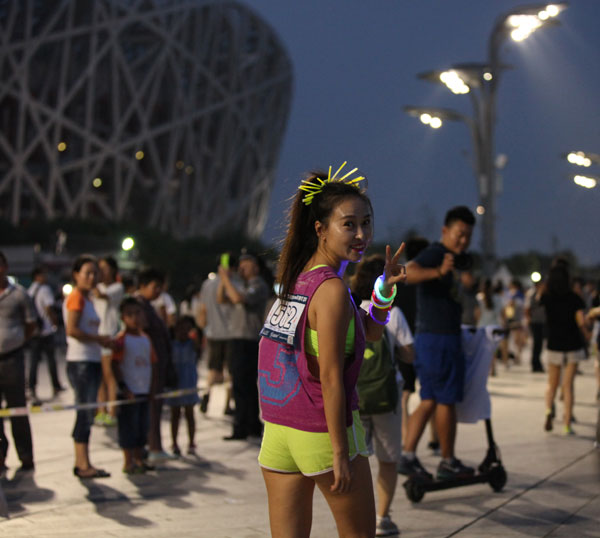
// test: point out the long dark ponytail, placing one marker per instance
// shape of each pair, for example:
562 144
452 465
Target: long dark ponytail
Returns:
301 239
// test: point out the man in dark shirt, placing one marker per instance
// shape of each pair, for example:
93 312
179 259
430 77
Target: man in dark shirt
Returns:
439 360
150 283
248 293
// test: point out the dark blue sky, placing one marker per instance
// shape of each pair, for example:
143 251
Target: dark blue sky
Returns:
355 66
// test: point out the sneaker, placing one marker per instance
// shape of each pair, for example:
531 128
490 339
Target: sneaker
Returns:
548 423
453 469
567 430
99 419
110 421
412 467
386 527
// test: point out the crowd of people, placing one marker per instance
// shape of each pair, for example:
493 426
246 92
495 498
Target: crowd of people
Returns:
321 366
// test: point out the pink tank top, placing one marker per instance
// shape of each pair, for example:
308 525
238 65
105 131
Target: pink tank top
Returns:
289 394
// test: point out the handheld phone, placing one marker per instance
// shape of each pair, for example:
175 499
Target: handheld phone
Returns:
225 260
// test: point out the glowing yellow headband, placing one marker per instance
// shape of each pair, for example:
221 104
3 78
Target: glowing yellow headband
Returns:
313 189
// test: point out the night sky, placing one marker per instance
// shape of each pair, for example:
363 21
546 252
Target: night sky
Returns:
355 66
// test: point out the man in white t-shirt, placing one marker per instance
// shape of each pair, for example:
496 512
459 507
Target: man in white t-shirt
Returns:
165 307
43 342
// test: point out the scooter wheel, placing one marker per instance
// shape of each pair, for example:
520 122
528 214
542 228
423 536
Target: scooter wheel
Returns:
497 478
414 490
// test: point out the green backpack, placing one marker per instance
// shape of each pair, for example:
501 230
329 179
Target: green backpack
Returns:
377 385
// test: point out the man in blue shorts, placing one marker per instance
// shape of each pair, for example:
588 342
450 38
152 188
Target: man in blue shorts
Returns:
439 361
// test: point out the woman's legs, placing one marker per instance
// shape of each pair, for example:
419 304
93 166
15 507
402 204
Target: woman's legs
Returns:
290 497
569 391
108 387
191 425
84 378
553 379
354 512
175 414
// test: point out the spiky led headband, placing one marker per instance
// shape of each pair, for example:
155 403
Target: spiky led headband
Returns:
315 185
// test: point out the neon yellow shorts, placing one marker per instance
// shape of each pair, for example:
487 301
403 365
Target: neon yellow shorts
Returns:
288 450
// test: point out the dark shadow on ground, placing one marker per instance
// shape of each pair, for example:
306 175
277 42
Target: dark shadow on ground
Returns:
113 504
22 489
169 483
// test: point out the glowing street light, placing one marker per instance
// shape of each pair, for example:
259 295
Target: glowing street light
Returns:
61 146
67 289
127 244
588 182
454 82
581 158
536 276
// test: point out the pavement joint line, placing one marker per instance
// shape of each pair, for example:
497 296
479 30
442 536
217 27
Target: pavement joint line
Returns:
571 515
523 492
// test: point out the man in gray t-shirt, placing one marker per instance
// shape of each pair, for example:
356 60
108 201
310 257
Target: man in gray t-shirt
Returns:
249 297
17 325
215 319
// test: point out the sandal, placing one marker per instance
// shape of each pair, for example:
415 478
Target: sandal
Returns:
97 473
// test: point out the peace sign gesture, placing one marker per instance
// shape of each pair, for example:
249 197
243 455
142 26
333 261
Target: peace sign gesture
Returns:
393 272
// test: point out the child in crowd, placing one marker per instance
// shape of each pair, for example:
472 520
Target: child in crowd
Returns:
185 358
134 366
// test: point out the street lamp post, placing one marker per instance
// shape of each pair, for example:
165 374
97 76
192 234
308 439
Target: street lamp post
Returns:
481 82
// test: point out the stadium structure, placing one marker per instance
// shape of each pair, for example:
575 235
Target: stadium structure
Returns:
168 113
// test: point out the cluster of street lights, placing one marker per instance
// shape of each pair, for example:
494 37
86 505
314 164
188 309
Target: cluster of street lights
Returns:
481 80
524 24
585 160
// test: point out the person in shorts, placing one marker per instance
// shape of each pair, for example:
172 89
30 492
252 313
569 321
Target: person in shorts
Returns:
567 337
134 366
214 319
439 360
379 387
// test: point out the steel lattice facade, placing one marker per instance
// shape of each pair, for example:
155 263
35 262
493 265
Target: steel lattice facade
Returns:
166 112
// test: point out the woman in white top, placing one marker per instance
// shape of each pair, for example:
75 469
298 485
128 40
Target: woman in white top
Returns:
84 358
107 297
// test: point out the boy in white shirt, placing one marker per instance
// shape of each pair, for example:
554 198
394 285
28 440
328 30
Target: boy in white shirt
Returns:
134 366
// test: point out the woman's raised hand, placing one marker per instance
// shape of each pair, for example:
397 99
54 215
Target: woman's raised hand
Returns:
393 271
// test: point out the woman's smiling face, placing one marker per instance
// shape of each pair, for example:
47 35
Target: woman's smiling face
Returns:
348 230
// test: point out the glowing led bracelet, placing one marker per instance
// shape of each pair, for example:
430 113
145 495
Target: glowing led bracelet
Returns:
372 316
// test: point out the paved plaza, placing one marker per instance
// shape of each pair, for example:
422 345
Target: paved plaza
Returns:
553 484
